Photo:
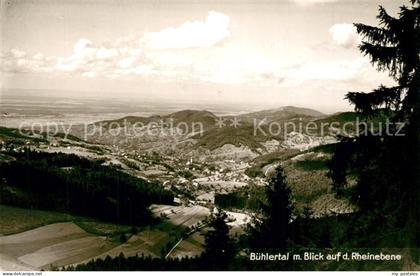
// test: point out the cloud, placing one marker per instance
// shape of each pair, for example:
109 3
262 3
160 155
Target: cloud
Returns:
89 74
126 62
81 45
91 61
18 61
312 2
105 54
190 34
231 66
187 52
344 35
154 53
17 53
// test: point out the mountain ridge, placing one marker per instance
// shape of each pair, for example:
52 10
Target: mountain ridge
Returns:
191 115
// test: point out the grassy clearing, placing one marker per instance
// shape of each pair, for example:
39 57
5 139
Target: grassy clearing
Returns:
17 137
311 165
259 162
116 233
328 148
15 220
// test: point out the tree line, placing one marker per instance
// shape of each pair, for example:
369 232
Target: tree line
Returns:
72 184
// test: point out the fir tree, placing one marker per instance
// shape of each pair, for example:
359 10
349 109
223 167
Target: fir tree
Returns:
387 166
220 248
392 47
270 230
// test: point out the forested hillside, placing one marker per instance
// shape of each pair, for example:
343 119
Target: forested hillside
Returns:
69 183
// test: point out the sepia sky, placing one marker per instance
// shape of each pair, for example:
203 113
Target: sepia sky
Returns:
262 52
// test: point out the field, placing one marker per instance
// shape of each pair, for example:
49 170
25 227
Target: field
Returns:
145 243
52 245
237 222
35 239
193 245
181 215
14 220
220 186
189 247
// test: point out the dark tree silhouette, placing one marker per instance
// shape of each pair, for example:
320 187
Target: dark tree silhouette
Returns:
271 229
393 47
220 248
387 166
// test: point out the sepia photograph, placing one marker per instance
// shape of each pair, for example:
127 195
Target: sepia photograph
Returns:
209 135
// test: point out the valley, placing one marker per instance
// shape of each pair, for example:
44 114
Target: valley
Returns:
204 167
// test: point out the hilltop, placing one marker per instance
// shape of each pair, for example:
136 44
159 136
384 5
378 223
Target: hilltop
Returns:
283 113
191 131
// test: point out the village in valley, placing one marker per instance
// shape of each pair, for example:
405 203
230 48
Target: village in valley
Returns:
202 180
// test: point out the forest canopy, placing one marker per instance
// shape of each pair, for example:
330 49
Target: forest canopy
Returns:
72 184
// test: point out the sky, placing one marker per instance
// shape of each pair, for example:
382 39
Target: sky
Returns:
263 52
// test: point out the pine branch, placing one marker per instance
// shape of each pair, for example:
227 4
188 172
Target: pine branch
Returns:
386 20
377 35
384 57
367 103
